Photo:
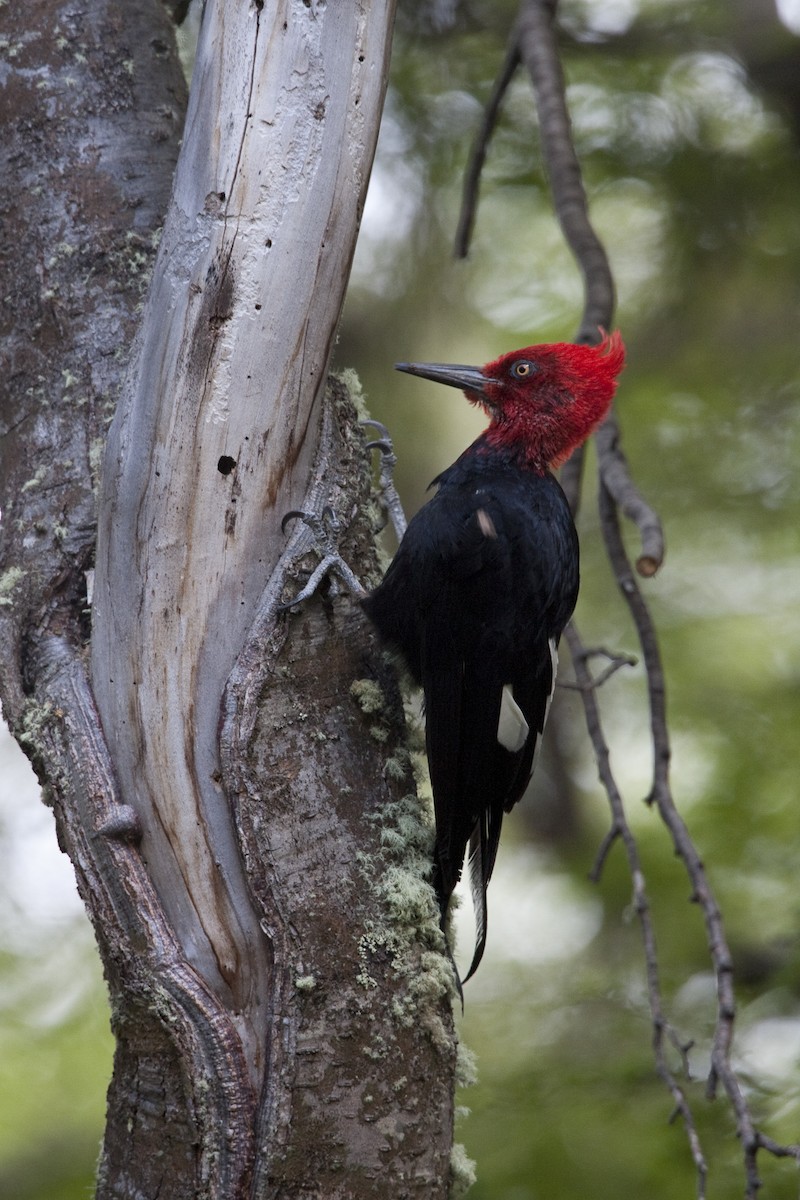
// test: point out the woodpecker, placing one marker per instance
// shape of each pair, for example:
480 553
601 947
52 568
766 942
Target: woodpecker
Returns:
481 587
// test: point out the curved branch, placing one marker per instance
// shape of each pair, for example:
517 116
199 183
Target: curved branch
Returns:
539 52
615 473
621 830
472 175
722 1071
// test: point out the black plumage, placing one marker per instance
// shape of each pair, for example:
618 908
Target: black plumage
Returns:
482 585
484 581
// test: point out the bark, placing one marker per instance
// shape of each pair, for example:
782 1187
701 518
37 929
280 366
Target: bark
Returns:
231 782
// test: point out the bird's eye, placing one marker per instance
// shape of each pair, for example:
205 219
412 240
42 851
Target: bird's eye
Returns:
523 369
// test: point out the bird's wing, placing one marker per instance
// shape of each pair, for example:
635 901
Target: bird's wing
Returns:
468 601
463 694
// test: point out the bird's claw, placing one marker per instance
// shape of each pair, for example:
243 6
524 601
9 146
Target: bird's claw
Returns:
324 526
318 523
388 496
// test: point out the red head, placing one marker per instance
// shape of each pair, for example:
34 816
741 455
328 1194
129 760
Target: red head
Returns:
543 400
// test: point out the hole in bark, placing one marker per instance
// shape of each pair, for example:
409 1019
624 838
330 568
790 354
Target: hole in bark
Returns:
226 464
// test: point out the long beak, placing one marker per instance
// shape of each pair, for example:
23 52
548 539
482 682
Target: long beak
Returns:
469 379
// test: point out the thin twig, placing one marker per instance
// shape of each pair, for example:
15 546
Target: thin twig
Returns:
474 169
722 1071
615 662
539 52
620 830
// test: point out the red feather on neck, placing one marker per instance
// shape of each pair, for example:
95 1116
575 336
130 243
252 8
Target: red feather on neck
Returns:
566 394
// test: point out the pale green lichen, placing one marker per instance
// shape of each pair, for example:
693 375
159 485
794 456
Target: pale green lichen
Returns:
368 695
374 514
420 1004
8 581
96 448
399 765
35 480
305 983
410 932
462 1172
377 1050
35 720
392 840
466 1067
349 380
406 894
368 945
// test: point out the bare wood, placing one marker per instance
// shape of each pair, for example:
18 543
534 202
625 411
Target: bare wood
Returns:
231 359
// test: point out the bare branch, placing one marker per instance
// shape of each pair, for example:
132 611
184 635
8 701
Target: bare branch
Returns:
620 830
615 661
722 1071
472 175
615 474
539 51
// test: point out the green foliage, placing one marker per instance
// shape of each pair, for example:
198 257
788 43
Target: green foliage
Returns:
55 1063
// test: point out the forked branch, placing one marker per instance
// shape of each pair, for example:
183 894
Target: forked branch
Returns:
533 42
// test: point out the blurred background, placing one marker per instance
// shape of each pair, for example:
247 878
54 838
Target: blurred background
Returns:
687 118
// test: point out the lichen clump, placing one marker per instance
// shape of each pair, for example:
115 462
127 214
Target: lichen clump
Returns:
8 581
462 1172
410 930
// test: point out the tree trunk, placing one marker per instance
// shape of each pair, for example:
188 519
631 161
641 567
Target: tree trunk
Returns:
230 780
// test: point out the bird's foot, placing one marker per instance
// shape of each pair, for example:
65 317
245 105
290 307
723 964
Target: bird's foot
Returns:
388 498
324 528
